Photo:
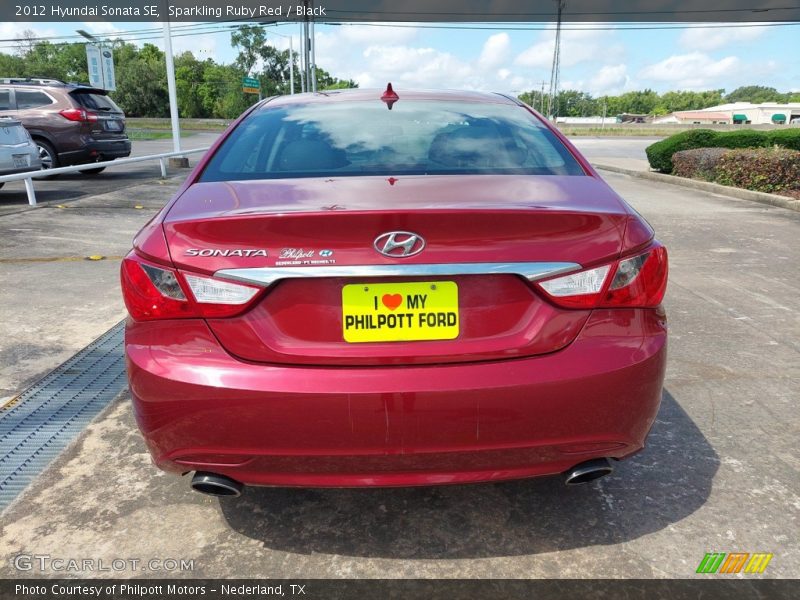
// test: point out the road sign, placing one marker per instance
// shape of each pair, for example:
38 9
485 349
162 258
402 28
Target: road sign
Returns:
101 67
250 85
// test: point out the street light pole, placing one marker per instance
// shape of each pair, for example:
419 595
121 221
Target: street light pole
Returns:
173 96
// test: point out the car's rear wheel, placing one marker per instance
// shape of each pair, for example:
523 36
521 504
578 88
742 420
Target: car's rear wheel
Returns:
94 171
48 156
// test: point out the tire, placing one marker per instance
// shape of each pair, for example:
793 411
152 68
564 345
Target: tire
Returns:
94 171
49 157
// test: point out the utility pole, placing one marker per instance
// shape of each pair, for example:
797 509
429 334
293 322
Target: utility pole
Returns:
291 66
552 107
603 126
306 49
541 99
313 59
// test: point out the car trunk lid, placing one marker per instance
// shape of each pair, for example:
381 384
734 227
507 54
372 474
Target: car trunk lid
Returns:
313 242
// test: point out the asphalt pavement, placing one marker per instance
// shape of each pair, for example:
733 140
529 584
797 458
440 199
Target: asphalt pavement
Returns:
719 474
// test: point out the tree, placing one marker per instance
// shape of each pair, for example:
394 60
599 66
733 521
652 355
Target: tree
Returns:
188 77
755 94
142 82
251 40
688 100
572 103
12 66
325 81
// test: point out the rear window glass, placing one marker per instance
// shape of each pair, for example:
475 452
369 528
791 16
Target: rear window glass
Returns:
32 99
95 101
364 138
5 100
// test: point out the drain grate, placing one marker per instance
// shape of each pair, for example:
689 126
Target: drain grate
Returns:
51 413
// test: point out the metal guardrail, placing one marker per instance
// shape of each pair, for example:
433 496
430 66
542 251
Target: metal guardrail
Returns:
29 176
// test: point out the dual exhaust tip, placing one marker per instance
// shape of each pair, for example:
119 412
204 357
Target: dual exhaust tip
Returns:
221 486
588 471
216 485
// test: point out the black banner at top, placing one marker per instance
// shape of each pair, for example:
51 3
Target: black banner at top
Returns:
322 11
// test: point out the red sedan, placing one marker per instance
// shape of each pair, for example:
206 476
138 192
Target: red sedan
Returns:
366 288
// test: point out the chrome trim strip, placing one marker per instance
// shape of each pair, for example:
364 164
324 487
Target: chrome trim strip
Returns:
532 271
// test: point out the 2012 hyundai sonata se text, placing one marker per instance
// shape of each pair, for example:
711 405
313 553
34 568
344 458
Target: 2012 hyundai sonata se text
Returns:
391 288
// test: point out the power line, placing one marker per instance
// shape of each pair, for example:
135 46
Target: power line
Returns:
617 27
223 26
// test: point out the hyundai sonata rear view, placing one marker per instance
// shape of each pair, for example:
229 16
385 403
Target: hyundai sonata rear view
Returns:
393 288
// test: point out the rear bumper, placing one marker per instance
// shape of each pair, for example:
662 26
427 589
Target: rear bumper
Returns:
96 150
14 171
7 154
201 409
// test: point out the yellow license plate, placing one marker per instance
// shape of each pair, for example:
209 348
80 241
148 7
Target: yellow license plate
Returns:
396 312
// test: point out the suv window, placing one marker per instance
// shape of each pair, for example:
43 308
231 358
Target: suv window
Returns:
95 101
5 100
414 138
32 99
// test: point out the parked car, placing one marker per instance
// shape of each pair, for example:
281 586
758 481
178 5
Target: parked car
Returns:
71 124
18 152
359 288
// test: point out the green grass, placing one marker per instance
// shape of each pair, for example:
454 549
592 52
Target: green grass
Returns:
186 124
142 135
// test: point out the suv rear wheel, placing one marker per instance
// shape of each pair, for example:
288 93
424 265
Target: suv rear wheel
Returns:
48 156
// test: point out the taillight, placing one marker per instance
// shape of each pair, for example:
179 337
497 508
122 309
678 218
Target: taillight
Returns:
157 292
219 298
635 281
78 114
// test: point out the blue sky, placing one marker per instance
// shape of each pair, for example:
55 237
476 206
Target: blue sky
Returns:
594 60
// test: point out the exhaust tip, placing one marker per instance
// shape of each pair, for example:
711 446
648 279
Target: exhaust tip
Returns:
216 485
588 471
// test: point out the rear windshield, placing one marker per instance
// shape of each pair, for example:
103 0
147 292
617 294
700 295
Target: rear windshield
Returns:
414 138
95 101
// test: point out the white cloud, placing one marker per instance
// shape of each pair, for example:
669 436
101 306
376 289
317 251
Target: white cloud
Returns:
610 79
713 38
413 67
495 51
408 65
691 71
577 46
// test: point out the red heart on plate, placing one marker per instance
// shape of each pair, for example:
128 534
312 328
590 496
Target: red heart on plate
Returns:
392 301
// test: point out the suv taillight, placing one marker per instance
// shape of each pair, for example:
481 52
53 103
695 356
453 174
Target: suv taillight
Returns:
78 114
637 281
154 291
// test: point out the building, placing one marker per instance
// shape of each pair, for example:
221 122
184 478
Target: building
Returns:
737 113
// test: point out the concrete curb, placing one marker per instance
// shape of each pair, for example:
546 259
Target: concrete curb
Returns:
760 197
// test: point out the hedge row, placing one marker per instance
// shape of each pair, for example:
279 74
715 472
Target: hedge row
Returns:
761 169
660 154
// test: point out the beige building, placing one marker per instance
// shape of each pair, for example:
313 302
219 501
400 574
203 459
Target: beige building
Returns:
738 113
